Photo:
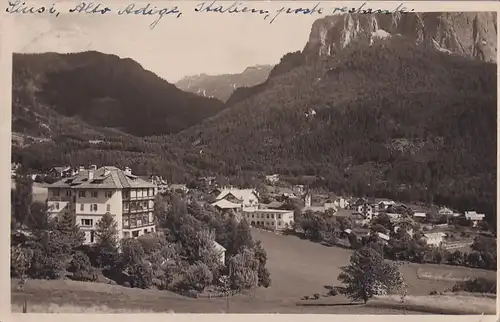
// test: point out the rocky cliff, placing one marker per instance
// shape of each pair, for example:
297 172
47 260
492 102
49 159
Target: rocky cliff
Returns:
468 34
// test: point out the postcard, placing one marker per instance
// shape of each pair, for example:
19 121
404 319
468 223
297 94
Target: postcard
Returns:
251 157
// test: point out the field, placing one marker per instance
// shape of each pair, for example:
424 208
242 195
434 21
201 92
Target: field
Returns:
298 268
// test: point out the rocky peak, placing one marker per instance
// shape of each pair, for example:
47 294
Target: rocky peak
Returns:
468 34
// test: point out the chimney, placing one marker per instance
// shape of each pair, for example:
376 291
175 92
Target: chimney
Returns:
81 168
91 174
127 170
93 167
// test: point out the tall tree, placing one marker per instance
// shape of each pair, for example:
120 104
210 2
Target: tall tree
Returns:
23 198
368 275
106 245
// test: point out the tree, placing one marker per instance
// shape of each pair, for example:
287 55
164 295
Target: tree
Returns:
243 237
243 270
132 261
263 273
22 200
106 246
368 275
197 277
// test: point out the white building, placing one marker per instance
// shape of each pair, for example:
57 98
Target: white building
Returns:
435 239
272 219
272 179
445 211
474 217
92 193
247 198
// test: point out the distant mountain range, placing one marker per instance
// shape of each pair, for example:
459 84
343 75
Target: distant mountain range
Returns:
222 86
97 94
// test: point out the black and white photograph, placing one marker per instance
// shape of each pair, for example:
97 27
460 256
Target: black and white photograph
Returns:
333 161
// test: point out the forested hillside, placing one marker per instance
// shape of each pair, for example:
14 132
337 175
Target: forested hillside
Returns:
96 95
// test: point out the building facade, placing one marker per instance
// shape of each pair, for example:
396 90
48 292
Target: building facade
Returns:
272 219
247 198
92 193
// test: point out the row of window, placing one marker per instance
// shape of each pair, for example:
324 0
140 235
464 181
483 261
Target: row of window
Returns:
265 223
268 216
127 234
138 205
138 220
83 193
94 207
139 193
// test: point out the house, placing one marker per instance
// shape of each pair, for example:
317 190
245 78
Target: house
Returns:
354 204
474 217
13 169
434 239
384 204
272 219
341 203
394 217
409 231
272 179
221 252
247 198
226 205
63 172
366 210
178 187
420 216
445 211
92 193
298 189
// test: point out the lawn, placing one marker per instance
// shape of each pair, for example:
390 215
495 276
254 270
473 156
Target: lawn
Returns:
299 267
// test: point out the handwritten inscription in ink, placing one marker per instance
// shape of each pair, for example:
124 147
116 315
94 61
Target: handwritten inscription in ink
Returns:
150 10
19 7
90 8
205 7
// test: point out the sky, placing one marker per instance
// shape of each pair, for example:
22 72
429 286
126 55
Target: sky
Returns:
192 44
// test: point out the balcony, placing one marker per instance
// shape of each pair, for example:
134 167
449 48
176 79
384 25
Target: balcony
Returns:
59 198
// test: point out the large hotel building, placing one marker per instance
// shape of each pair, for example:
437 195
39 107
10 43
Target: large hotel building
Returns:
93 192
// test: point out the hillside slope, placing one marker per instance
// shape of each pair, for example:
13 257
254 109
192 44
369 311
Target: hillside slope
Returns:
91 93
396 117
222 86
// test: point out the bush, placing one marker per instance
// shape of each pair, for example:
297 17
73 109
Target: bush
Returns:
79 262
316 296
477 285
45 267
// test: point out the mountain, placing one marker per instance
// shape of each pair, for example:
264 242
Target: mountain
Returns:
390 116
468 34
222 86
95 94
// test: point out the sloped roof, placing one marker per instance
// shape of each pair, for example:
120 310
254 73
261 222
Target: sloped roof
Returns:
106 177
242 194
218 246
224 204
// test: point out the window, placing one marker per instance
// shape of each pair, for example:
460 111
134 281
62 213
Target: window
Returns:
81 194
87 222
93 207
109 194
68 193
139 222
267 216
135 233
272 216
108 207
126 234
57 205
92 233
94 194
125 206
145 231
56 193
253 216
279 216
82 207
125 222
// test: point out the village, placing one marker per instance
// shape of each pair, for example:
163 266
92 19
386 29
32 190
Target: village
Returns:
276 207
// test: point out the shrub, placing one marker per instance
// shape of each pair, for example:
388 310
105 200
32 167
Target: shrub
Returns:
79 262
477 285
316 296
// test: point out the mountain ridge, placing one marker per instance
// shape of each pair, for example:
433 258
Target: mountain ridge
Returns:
91 90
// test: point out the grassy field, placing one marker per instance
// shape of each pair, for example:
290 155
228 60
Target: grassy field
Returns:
298 268
301 267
